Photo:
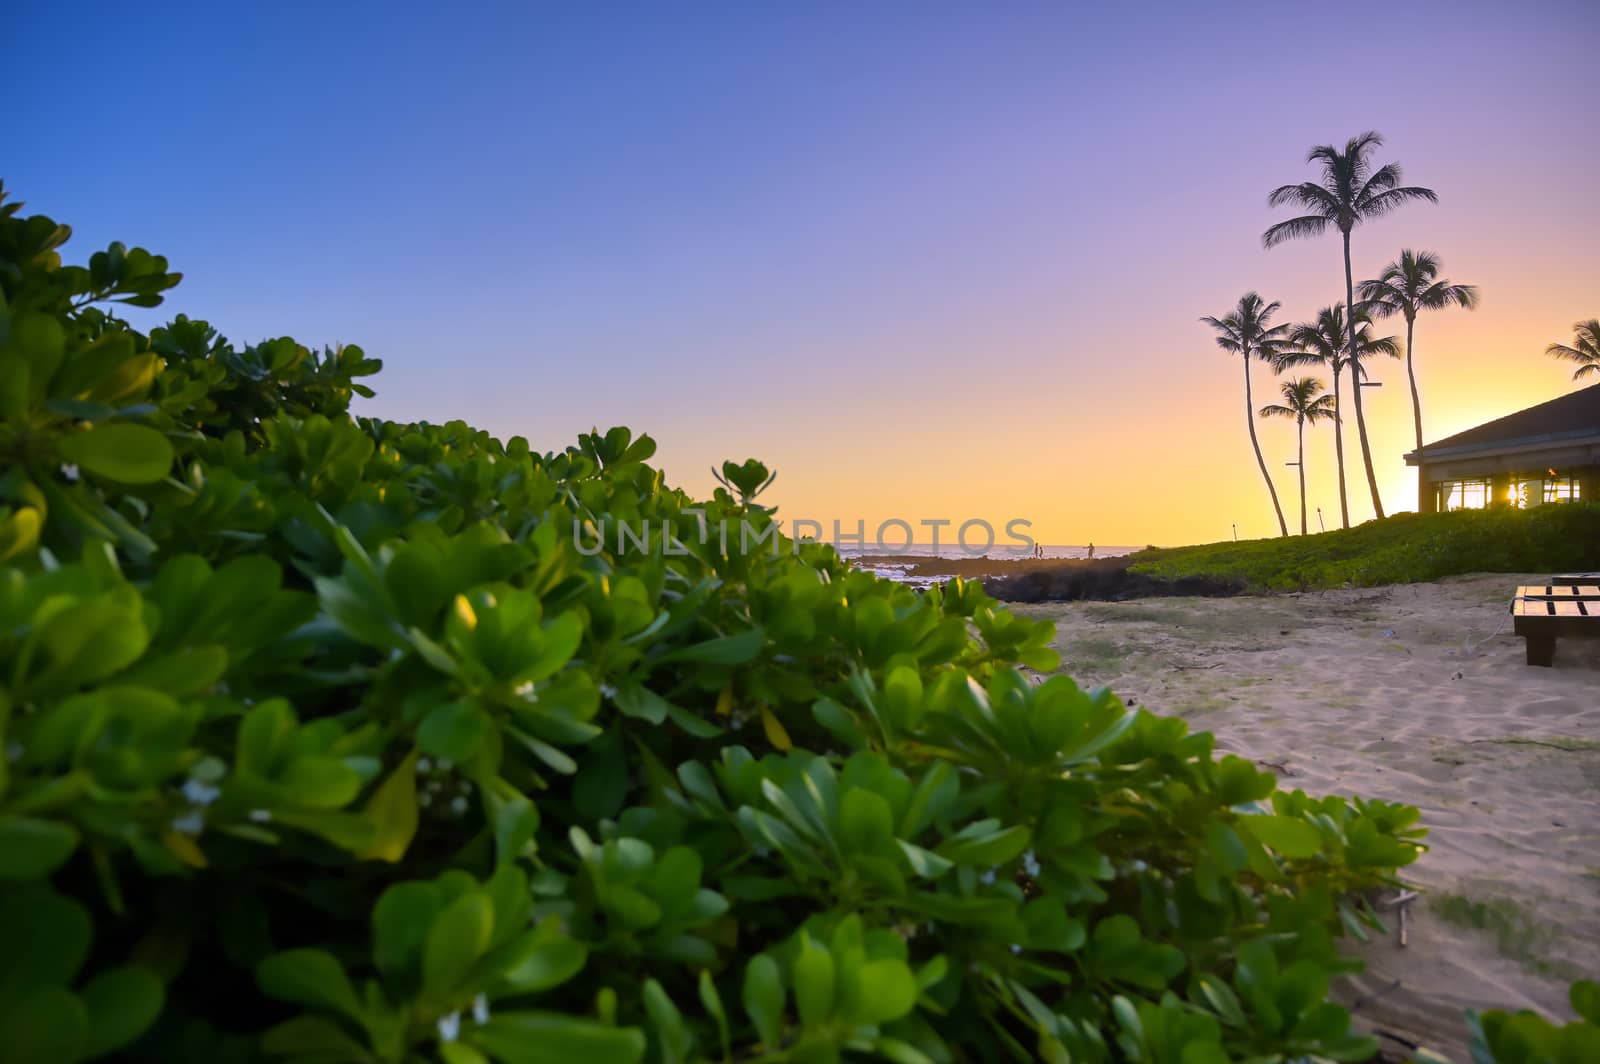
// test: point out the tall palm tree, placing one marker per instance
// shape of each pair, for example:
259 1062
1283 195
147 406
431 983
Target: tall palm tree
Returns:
1327 342
1246 332
1305 401
1410 284
1350 192
1585 349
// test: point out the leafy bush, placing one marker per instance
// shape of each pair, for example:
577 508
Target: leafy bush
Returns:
332 739
1402 549
1527 1038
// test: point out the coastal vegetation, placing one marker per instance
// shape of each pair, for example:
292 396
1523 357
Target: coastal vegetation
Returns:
328 739
1584 349
1246 332
1402 549
1305 402
1349 192
1408 286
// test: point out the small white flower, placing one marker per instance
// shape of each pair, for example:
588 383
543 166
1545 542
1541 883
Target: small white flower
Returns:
424 766
1030 864
1016 949
480 1010
191 823
458 805
525 690
70 471
987 879
261 816
200 792
450 1027
607 691
445 764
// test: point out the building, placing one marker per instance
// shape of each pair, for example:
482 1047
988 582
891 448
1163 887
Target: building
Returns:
1546 453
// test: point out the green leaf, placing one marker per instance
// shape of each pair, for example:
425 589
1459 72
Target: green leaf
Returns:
554 959
32 848
131 454
308 977
122 1003
457 939
550 1038
813 985
393 808
724 650
1289 836
763 999
453 730
886 990
866 824
51 1025
1585 997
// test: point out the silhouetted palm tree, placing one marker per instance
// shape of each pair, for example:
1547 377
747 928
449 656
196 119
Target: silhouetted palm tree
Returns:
1326 342
1585 348
1245 332
1305 401
1350 192
1408 285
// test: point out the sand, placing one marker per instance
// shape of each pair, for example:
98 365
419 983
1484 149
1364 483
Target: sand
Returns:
1415 693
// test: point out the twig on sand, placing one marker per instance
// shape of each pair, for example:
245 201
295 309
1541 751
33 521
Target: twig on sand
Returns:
1192 668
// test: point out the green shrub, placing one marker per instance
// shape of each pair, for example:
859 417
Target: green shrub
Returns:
336 740
1527 1038
1402 549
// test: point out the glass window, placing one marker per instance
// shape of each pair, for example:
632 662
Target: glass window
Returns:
1463 494
1561 489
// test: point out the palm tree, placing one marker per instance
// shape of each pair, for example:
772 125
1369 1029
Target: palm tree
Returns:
1350 192
1585 349
1407 285
1245 331
1305 401
1326 342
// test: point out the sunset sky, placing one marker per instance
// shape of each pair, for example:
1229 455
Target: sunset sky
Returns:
924 261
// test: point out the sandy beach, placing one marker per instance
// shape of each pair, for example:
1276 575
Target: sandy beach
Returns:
1415 693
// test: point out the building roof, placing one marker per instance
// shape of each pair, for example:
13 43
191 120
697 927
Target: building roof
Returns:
1576 414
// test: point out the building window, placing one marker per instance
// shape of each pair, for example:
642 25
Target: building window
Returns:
1463 494
1561 489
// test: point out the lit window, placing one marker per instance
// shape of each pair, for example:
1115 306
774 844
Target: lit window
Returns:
1561 489
1463 494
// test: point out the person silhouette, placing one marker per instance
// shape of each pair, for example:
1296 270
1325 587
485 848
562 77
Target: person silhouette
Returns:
1091 551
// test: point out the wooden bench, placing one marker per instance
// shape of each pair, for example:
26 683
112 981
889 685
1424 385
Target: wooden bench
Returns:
1541 613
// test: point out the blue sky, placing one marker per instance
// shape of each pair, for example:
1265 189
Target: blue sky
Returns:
925 259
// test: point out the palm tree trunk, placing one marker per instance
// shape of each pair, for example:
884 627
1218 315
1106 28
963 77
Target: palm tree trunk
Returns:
1300 430
1250 420
1416 402
1355 380
1338 447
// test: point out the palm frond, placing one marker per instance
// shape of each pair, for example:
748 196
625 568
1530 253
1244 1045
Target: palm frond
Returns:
1384 202
1307 194
1294 228
1570 354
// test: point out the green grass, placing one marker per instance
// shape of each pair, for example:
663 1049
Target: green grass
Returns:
1402 549
1516 933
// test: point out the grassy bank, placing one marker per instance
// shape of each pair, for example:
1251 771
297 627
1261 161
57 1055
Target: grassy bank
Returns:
1402 549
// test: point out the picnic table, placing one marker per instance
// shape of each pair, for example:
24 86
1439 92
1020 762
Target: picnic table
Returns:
1541 613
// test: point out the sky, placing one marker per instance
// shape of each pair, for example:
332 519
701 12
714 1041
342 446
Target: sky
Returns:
928 261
